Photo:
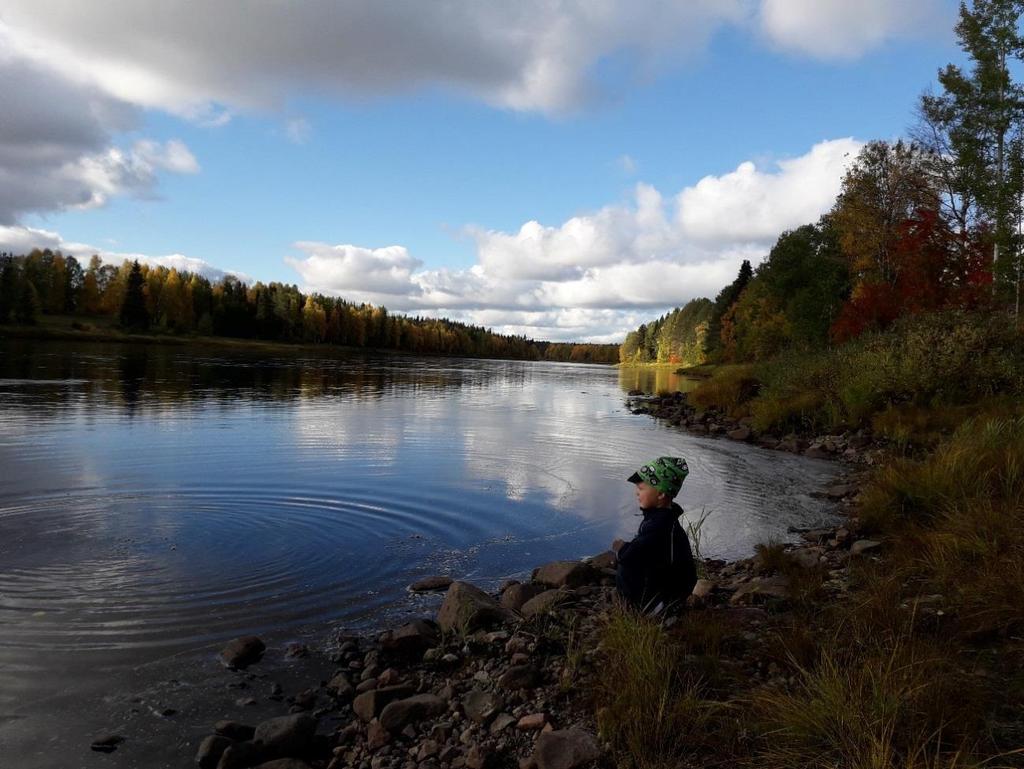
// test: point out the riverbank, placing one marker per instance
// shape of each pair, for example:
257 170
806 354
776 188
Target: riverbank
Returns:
855 647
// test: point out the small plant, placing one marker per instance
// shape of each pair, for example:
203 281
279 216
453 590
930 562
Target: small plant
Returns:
694 530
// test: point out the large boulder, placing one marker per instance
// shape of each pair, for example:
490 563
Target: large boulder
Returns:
605 560
467 608
341 688
566 574
514 596
211 749
369 705
542 603
400 713
411 639
565 749
862 546
234 730
242 652
286 736
519 677
241 755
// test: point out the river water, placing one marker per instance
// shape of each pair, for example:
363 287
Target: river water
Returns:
155 501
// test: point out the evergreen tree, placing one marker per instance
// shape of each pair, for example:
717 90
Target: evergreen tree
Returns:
134 314
726 298
8 288
26 312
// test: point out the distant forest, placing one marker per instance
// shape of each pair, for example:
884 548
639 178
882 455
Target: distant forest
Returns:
142 299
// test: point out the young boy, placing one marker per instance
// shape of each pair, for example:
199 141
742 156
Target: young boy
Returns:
656 571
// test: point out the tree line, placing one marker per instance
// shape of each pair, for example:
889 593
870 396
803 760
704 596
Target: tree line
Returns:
157 299
926 224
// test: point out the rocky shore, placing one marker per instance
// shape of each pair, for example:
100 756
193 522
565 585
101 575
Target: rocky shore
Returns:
856 446
507 679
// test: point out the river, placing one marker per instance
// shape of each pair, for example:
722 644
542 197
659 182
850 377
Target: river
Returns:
158 500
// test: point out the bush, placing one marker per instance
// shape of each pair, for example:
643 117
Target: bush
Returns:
729 389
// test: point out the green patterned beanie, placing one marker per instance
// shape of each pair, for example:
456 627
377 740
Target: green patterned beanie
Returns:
666 474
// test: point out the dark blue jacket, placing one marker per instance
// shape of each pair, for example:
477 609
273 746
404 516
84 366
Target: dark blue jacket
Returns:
657 566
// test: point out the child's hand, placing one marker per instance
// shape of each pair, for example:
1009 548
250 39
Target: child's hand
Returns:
617 545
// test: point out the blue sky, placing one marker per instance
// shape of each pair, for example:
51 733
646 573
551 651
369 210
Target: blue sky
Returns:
405 170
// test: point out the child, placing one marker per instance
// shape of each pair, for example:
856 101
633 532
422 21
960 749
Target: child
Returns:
656 571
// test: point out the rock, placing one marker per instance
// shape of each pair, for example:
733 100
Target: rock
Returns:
565 749
740 434
284 763
501 722
107 743
412 639
376 735
478 758
542 603
519 677
241 755
341 688
808 557
531 722
400 713
516 595
467 608
703 588
234 730
566 574
369 705
242 652
286 736
760 590
479 706
791 444
211 749
862 546
368 685
430 584
817 451
841 491
296 651
605 560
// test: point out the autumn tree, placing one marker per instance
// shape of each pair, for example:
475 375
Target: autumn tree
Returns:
725 299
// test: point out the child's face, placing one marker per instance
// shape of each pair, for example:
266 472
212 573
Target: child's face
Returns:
648 496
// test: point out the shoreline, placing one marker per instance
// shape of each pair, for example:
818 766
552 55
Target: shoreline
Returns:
503 679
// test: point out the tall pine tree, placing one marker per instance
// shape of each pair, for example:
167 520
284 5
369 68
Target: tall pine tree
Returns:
134 314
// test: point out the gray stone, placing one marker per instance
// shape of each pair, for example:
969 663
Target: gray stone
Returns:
516 595
234 730
566 574
740 434
211 749
841 491
817 451
761 590
400 713
242 652
565 749
808 557
369 705
519 677
341 687
542 603
430 584
501 722
287 735
240 756
479 706
377 736
467 608
862 546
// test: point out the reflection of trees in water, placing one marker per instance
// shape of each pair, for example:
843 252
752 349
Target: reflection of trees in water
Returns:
654 379
153 376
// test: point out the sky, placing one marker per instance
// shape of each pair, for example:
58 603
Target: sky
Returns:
563 169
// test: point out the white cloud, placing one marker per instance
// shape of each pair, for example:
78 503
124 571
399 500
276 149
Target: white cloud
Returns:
339 269
527 55
21 240
57 148
840 29
595 274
